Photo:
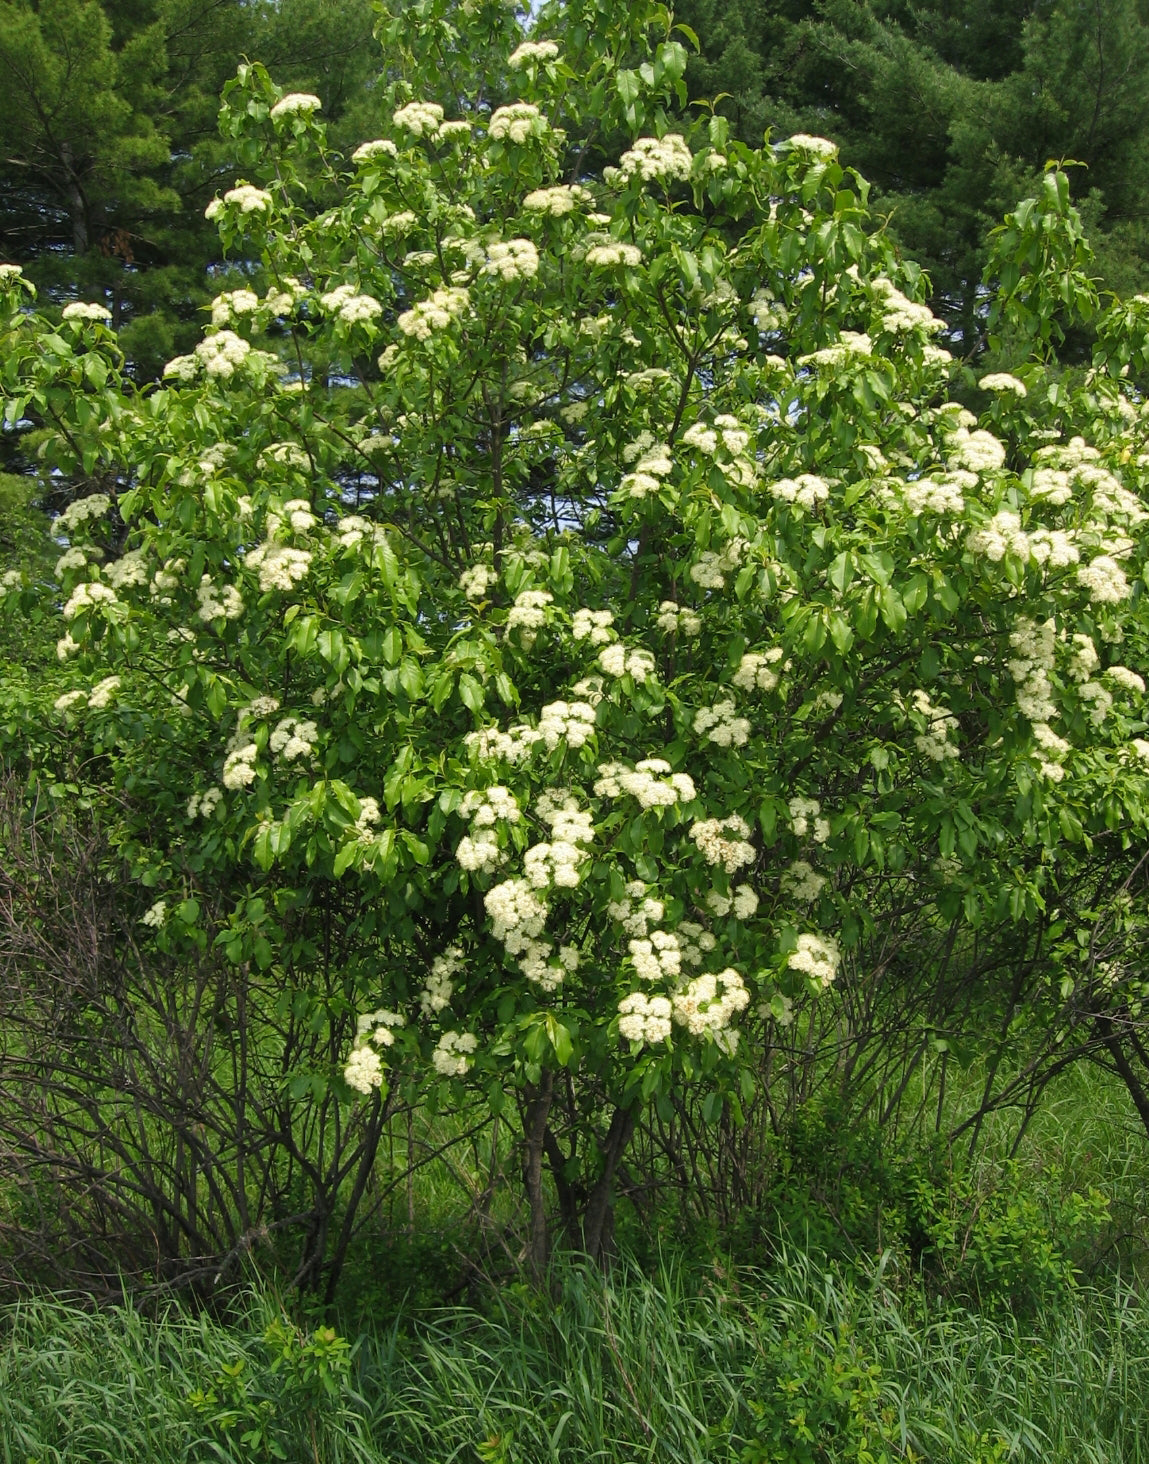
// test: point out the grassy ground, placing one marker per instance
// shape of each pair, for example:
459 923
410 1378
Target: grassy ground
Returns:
795 1364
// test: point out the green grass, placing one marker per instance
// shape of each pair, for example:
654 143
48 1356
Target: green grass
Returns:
795 1364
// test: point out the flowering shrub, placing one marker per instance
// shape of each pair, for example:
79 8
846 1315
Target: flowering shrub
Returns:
585 592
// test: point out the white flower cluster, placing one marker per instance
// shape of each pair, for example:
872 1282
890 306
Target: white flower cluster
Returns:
727 430
279 566
513 259
722 725
807 491
477 580
724 841
801 882
1051 485
1003 381
616 252
1127 680
452 1054
656 958
1055 750
491 744
710 569
759 670
1002 535
287 455
650 782
222 354
216 603
528 614
293 102
517 913
516 121
1083 660
849 349
977 451
593 626
561 199
423 119
1110 498
1033 647
81 510
708 1004
239 766
71 559
377 147
940 726
651 466
675 619
643 1018
616 660
244 197
821 149
440 987
806 820
743 902
1104 580
936 495
87 596
203 805
156 915
479 851
637 910
532 52
351 532
78 310
658 159
899 314
558 862
435 313
817 957
569 721
293 739
232 303
1098 701
295 515
349 305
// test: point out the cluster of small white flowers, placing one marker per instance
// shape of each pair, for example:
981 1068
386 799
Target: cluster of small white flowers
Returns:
817 957
156 915
515 121
1003 381
66 646
216 603
593 626
1098 701
349 305
722 725
1054 547
285 455
369 816
558 862
232 303
707 1005
513 259
559 200
1054 748
616 660
491 744
653 464
364 1069
1083 660
724 841
710 569
223 353
1105 581
1110 498
71 559
941 724
900 314
675 619
528 614
295 515
1033 646
1128 680
643 1018
477 580
293 102
819 148
239 766
79 512
203 805
377 147
658 159
436 994
743 902
1140 749
608 255
801 882
1001 536
87 596
850 347
421 118
483 809
807 491
1051 485
280 567
759 670
130 569
532 52
650 782
656 958
244 197
354 530
293 739
435 313
569 721
101 694
930 495
806 820
452 1054
637 910
978 451
78 310
70 699
396 225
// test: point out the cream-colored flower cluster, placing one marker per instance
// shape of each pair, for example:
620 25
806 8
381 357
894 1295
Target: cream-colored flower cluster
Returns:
806 819
724 841
351 307
722 725
593 626
91 313
528 614
437 312
658 159
710 570
452 1056
675 619
531 53
759 670
440 985
483 809
279 566
650 782
218 602
559 200
1033 646
817 957
243 197
293 739
807 491
476 580
517 122
801 882
572 722
512 259
708 1004
934 742
294 103
637 910
617 660
900 316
